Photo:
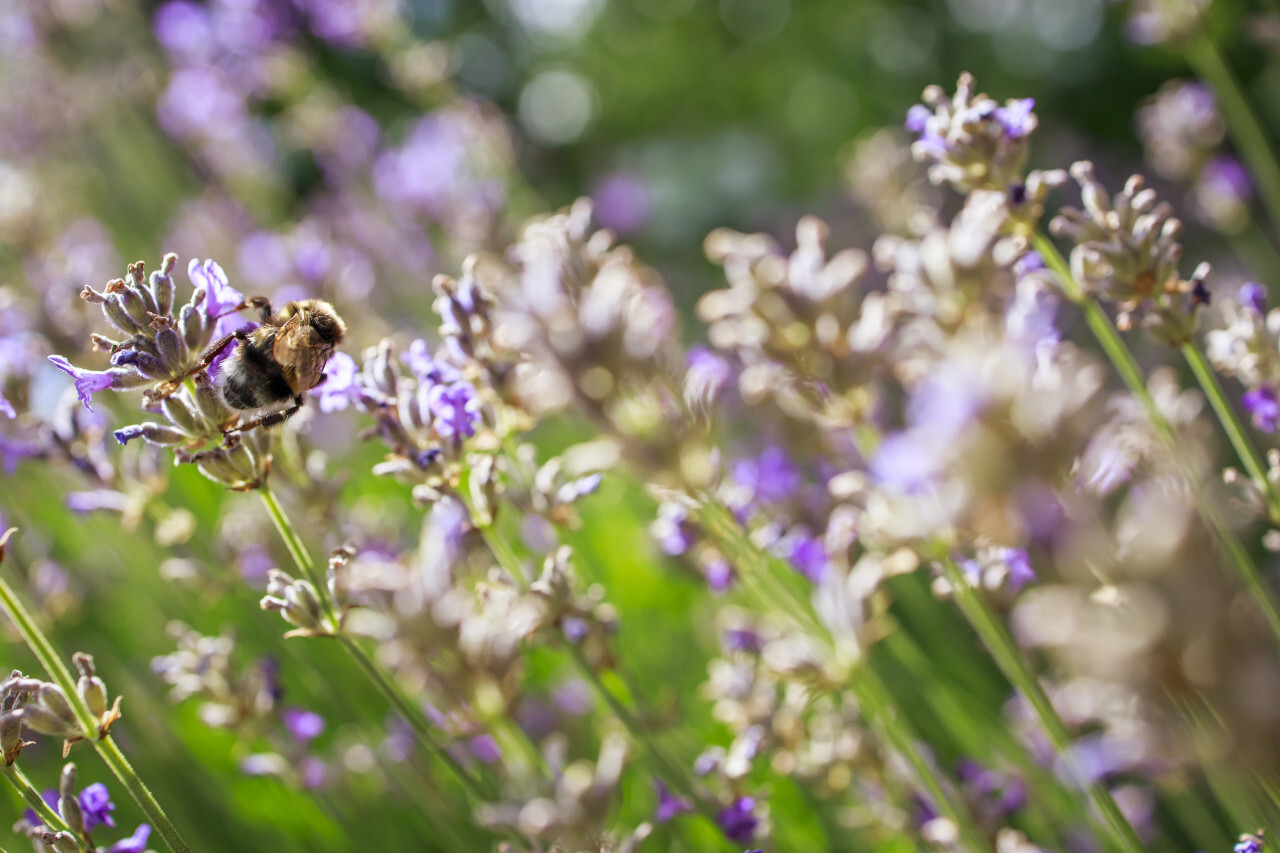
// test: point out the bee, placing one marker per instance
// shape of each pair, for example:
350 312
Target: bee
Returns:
276 363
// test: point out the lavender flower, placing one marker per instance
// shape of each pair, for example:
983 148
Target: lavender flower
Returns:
340 387
303 725
88 382
669 805
136 843
737 820
971 141
96 805
1262 404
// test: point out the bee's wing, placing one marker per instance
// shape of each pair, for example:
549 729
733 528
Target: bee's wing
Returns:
294 349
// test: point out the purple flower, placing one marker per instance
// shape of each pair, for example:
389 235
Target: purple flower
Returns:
742 640
669 805
1224 176
182 27
737 821
305 726
96 804
906 461
88 382
622 203
1249 844
1027 264
719 574
13 451
136 843
809 557
672 529
485 749
6 408
340 387
705 377
124 435
220 297
456 409
1016 117
771 478
917 118
312 773
1253 295
428 369
94 500
1261 403
1019 564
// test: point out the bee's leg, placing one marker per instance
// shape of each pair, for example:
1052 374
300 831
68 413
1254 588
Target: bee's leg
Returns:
164 390
271 420
258 303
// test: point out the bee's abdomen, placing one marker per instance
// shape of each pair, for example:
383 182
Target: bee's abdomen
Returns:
247 386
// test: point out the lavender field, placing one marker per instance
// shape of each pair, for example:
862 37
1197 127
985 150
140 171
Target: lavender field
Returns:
761 426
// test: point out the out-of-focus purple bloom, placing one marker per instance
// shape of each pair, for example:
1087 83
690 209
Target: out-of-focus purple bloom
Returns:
669 805
1016 117
719 574
136 843
574 697
1249 843
182 27
340 387
95 802
737 821
303 725
313 773
1253 295
88 382
1029 322
706 376
742 640
13 451
1027 264
906 461
6 408
917 119
672 530
575 629
200 101
622 203
771 477
1019 565
1225 176
339 22
1262 404
95 500
485 749
428 170
428 369
809 557
456 409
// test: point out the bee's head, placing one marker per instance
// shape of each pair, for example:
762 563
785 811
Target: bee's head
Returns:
325 322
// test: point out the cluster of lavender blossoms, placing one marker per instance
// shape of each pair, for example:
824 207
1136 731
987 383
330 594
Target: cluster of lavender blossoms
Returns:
863 436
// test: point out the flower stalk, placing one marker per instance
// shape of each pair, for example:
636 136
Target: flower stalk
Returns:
102 743
1000 643
1122 358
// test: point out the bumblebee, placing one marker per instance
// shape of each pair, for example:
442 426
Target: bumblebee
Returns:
277 362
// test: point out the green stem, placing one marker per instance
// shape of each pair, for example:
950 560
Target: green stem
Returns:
413 717
106 747
301 557
1234 428
1118 352
878 702
1247 133
389 691
23 786
761 577
1008 656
